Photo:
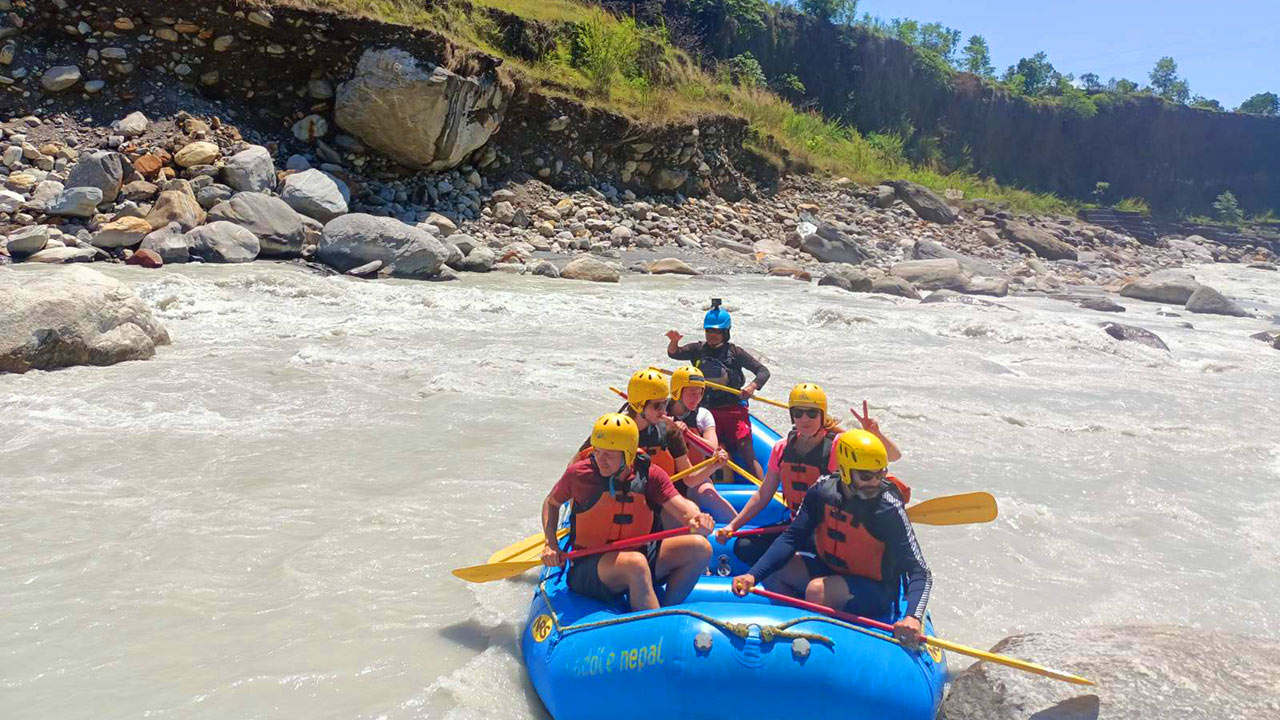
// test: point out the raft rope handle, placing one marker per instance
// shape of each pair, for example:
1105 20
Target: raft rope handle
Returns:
768 633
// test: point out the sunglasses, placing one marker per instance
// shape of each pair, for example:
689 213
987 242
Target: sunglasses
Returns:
866 475
797 413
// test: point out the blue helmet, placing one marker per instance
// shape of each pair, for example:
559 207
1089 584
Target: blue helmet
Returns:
717 318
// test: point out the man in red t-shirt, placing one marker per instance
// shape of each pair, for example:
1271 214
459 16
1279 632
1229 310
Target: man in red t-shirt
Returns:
616 496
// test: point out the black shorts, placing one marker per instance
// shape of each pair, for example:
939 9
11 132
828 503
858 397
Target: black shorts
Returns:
751 548
869 597
584 574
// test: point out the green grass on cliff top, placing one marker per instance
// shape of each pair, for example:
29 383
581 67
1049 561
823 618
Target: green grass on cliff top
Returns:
686 93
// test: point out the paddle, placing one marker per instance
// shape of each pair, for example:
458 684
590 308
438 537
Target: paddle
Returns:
517 550
513 558
936 642
964 509
735 391
705 447
489 572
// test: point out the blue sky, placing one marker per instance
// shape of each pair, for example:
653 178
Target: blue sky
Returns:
1227 50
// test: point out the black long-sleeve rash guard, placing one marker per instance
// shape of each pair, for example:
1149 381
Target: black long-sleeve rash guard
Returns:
733 358
885 518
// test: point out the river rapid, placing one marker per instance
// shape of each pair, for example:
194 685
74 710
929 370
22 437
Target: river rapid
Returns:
260 522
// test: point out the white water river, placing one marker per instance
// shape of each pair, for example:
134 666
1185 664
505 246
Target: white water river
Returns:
259 522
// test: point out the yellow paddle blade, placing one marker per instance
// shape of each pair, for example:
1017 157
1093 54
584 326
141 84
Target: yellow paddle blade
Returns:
976 507
1009 662
489 572
517 550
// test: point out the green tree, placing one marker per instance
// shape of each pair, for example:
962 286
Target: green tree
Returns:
1204 103
747 14
939 39
1035 74
1166 83
842 11
1091 83
1228 208
745 70
1123 86
976 57
1266 103
1101 190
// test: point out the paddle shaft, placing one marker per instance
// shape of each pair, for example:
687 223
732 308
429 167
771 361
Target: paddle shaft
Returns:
936 642
735 391
629 543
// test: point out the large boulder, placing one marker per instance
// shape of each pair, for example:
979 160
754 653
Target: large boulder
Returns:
1142 673
223 242
122 232
1041 242
250 170
102 169
64 255
178 206
589 268
830 244
316 194
923 201
671 266
926 249
169 243
1130 333
421 115
75 316
28 240
76 202
850 280
944 274
892 285
479 260
356 239
1173 287
278 227
1207 300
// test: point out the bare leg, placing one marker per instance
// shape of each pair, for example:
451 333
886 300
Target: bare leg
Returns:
792 578
710 501
681 561
628 571
831 591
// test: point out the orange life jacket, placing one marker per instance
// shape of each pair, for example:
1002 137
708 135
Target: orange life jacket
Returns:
846 546
653 442
799 471
610 517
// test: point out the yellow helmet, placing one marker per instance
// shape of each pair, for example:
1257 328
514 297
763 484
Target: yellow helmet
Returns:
859 450
644 386
616 431
808 395
686 377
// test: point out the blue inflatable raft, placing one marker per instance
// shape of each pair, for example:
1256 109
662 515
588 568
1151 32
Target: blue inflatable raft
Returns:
717 654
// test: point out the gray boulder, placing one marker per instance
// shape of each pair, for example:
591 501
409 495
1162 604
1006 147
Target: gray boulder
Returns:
885 195
924 202
462 241
1173 287
953 297
1129 333
211 195
223 242
592 269
1206 300
480 259
945 274
1041 242
250 170
830 244
64 255
169 242
355 239
131 125
546 268
75 316
891 285
850 280
101 169
28 240
76 202
1099 304
277 226
60 77
421 115
671 266
926 249
316 194
1142 673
